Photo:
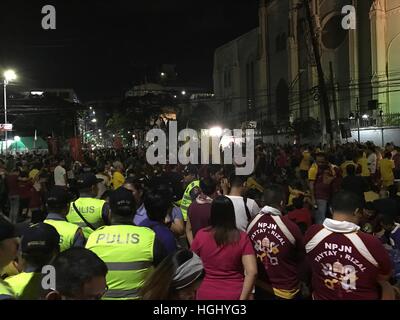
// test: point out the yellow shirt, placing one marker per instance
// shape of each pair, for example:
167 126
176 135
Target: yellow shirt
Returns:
33 173
117 180
344 165
312 172
306 161
253 184
363 162
371 196
386 167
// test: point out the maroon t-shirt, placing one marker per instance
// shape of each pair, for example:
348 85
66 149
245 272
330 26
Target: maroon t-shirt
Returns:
302 215
199 216
278 259
340 271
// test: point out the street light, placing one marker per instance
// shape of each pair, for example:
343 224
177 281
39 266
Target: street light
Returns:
9 76
183 92
94 120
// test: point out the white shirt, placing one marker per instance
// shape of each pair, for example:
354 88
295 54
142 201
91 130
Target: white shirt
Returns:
372 163
59 173
240 211
102 186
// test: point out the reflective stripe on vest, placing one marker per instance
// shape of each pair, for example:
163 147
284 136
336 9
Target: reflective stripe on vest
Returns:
187 199
122 294
67 232
127 251
91 209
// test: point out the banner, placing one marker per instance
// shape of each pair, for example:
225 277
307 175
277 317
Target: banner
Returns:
75 147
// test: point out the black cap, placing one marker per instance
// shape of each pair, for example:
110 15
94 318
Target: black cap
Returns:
7 230
121 198
58 197
40 237
190 169
86 180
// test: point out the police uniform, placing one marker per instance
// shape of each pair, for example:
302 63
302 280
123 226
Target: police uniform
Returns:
92 209
69 232
191 192
6 293
128 252
18 282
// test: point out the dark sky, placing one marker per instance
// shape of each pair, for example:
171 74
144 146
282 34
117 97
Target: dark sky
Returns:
100 48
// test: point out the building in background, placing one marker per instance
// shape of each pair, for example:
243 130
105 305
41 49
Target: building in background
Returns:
269 74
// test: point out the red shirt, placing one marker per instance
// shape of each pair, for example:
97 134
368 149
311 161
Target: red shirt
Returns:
278 258
340 271
223 266
199 215
302 215
24 189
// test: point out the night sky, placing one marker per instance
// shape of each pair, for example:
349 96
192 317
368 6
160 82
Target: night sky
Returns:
101 48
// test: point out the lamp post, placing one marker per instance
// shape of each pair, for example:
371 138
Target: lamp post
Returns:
9 76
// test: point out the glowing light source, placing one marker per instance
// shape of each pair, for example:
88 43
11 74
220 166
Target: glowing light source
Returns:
94 120
17 138
183 92
365 116
215 132
10 75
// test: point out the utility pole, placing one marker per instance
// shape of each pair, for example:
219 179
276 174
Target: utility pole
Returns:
335 110
321 78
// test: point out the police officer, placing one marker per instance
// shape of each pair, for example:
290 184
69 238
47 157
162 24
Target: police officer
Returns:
58 202
192 183
87 211
129 251
39 245
8 252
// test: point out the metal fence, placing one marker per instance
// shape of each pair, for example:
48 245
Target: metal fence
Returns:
384 120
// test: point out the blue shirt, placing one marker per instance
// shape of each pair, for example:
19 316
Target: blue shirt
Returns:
141 215
163 233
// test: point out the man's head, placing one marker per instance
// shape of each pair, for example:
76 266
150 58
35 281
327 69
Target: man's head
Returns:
9 243
157 202
387 222
321 159
189 174
237 182
208 186
122 205
39 245
346 206
87 183
216 172
80 275
387 155
58 200
61 162
274 197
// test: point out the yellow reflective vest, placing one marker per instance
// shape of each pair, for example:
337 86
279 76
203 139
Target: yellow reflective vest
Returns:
67 232
18 282
186 199
91 209
6 293
128 252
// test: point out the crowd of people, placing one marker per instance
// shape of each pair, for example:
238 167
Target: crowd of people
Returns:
308 223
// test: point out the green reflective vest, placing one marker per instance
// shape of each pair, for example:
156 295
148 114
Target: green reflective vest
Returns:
6 293
186 199
18 282
128 252
67 232
91 209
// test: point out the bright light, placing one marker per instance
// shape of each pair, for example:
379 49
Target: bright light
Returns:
133 136
17 138
183 92
37 93
94 120
90 108
10 75
365 116
215 132
129 132
113 135
162 74
175 96
94 112
99 130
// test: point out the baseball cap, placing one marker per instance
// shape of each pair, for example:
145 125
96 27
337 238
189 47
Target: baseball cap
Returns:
190 169
40 237
87 179
121 198
58 197
7 230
